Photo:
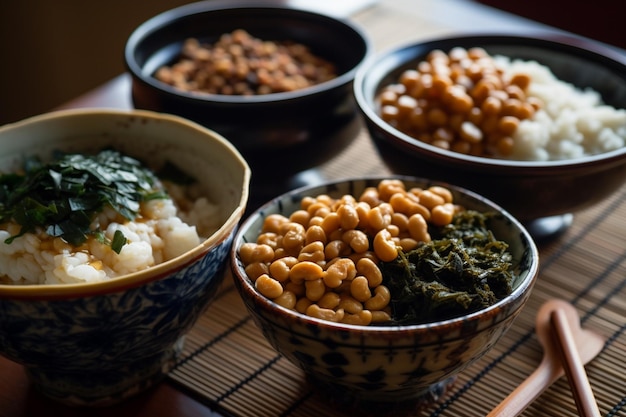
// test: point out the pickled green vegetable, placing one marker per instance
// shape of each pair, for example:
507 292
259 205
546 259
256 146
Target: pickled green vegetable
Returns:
463 269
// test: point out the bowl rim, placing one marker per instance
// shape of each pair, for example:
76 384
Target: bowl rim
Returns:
163 19
570 44
245 284
156 272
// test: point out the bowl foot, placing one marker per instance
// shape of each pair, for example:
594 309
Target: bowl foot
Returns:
376 403
546 228
101 388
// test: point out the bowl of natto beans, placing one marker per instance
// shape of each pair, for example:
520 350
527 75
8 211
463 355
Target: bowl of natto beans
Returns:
536 123
274 79
383 289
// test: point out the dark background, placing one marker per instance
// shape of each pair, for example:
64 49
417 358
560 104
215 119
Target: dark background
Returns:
53 51
602 20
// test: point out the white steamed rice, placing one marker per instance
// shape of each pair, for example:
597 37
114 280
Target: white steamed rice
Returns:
573 123
163 230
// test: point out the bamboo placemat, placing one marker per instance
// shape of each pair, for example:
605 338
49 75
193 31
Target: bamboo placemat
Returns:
227 363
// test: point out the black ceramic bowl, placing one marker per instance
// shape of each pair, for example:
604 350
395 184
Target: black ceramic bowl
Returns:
278 134
541 194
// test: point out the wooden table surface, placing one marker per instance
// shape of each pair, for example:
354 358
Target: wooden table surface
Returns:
432 18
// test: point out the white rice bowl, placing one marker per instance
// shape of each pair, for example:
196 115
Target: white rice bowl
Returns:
98 343
572 123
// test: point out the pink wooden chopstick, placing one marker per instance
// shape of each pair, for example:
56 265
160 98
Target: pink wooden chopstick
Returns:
574 369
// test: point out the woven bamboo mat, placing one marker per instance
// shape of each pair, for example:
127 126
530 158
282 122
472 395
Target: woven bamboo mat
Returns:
228 365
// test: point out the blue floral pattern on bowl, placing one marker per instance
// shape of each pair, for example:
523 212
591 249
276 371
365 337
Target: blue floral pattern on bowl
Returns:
103 348
98 343
382 370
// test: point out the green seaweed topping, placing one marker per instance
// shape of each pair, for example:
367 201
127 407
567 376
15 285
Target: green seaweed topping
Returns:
64 196
462 270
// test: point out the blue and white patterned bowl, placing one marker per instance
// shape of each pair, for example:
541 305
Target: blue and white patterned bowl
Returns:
99 343
382 370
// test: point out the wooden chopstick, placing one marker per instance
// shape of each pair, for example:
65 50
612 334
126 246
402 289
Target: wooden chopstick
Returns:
574 369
